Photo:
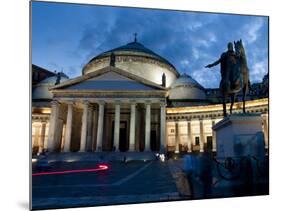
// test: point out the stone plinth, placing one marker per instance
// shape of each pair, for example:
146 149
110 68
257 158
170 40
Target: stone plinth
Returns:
239 135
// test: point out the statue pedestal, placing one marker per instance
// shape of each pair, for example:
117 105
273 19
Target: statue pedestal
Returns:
239 135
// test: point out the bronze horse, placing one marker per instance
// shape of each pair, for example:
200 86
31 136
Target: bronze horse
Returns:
238 76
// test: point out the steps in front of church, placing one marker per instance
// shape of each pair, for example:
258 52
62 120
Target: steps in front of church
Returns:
100 156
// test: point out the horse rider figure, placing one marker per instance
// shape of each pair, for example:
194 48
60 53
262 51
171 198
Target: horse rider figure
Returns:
227 63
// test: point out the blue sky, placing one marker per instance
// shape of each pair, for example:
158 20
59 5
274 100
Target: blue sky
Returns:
66 36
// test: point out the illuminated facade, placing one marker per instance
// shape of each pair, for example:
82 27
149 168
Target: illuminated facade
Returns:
128 99
190 128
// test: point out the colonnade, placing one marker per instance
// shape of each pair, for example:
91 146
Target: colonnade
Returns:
201 133
189 136
87 107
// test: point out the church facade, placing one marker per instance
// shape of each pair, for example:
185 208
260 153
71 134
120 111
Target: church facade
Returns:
129 99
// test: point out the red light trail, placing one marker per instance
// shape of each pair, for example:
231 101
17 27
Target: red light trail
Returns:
101 167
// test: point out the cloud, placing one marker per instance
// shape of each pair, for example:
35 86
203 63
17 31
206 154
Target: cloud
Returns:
258 70
194 26
207 77
212 37
195 53
189 40
184 62
253 29
73 70
55 65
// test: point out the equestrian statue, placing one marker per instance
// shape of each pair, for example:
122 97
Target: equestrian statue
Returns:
234 74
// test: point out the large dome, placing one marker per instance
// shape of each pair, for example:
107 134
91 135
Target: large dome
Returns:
136 59
186 88
41 90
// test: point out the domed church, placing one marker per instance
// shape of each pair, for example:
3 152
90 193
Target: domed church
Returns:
128 99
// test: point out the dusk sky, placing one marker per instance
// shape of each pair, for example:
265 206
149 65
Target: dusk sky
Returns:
66 36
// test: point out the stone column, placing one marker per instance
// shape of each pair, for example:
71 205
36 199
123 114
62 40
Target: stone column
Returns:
45 147
162 127
132 128
68 127
94 128
189 137
89 128
201 136
53 126
100 127
84 127
117 127
42 137
265 130
214 143
37 136
167 135
147 127
138 133
177 150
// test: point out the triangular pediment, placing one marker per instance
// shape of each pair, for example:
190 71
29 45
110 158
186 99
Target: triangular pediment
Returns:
108 79
110 76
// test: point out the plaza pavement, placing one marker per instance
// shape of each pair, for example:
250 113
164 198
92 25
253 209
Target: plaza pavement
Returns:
122 183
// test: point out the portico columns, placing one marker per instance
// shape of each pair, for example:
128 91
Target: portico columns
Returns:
100 127
42 137
177 149
53 126
45 145
37 137
189 137
214 144
132 127
162 127
94 128
68 127
117 127
89 128
265 130
201 136
147 127
84 127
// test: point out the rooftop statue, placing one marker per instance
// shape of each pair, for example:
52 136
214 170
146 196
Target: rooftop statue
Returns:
164 80
112 59
234 74
58 78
